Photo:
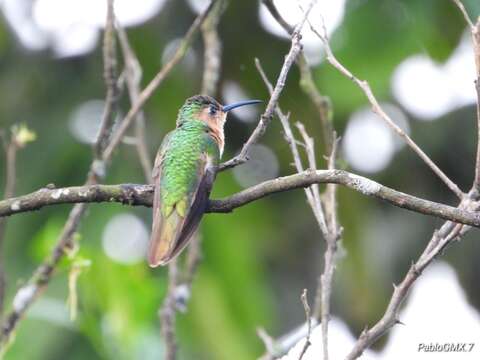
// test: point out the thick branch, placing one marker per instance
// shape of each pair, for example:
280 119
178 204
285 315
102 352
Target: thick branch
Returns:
132 194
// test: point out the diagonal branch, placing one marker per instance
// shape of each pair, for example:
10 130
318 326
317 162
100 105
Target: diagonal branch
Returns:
377 109
438 242
321 102
280 84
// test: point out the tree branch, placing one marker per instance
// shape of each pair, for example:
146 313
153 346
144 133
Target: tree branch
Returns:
134 194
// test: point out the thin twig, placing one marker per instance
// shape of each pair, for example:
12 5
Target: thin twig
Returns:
307 84
308 319
110 78
440 239
324 290
269 344
312 165
329 230
377 109
133 77
155 83
459 4
313 201
280 84
10 180
212 57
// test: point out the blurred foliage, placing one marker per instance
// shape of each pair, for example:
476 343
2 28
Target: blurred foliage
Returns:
258 259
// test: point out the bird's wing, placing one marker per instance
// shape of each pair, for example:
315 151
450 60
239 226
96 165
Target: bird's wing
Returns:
171 230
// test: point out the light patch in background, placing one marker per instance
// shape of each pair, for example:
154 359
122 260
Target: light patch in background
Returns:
198 6
189 61
331 11
125 239
368 143
70 28
232 92
429 90
262 166
85 120
437 311
18 14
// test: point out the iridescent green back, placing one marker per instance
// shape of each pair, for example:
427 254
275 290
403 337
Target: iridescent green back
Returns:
181 163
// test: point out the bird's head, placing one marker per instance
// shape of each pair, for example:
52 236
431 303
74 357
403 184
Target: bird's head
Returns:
205 108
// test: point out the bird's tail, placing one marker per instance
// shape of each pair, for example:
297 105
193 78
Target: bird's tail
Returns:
165 232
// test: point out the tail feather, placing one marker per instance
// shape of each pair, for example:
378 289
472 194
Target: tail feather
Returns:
164 234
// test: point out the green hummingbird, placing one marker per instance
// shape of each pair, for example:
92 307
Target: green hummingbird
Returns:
183 174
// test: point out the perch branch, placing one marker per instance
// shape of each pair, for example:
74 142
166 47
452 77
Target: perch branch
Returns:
132 194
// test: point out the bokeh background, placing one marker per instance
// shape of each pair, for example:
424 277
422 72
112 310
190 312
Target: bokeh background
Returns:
418 59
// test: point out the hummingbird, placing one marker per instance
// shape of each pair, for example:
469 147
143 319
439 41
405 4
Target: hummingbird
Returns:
184 172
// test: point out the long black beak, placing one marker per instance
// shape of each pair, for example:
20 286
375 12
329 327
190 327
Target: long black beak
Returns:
227 108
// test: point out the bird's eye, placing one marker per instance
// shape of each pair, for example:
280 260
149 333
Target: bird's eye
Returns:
212 110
